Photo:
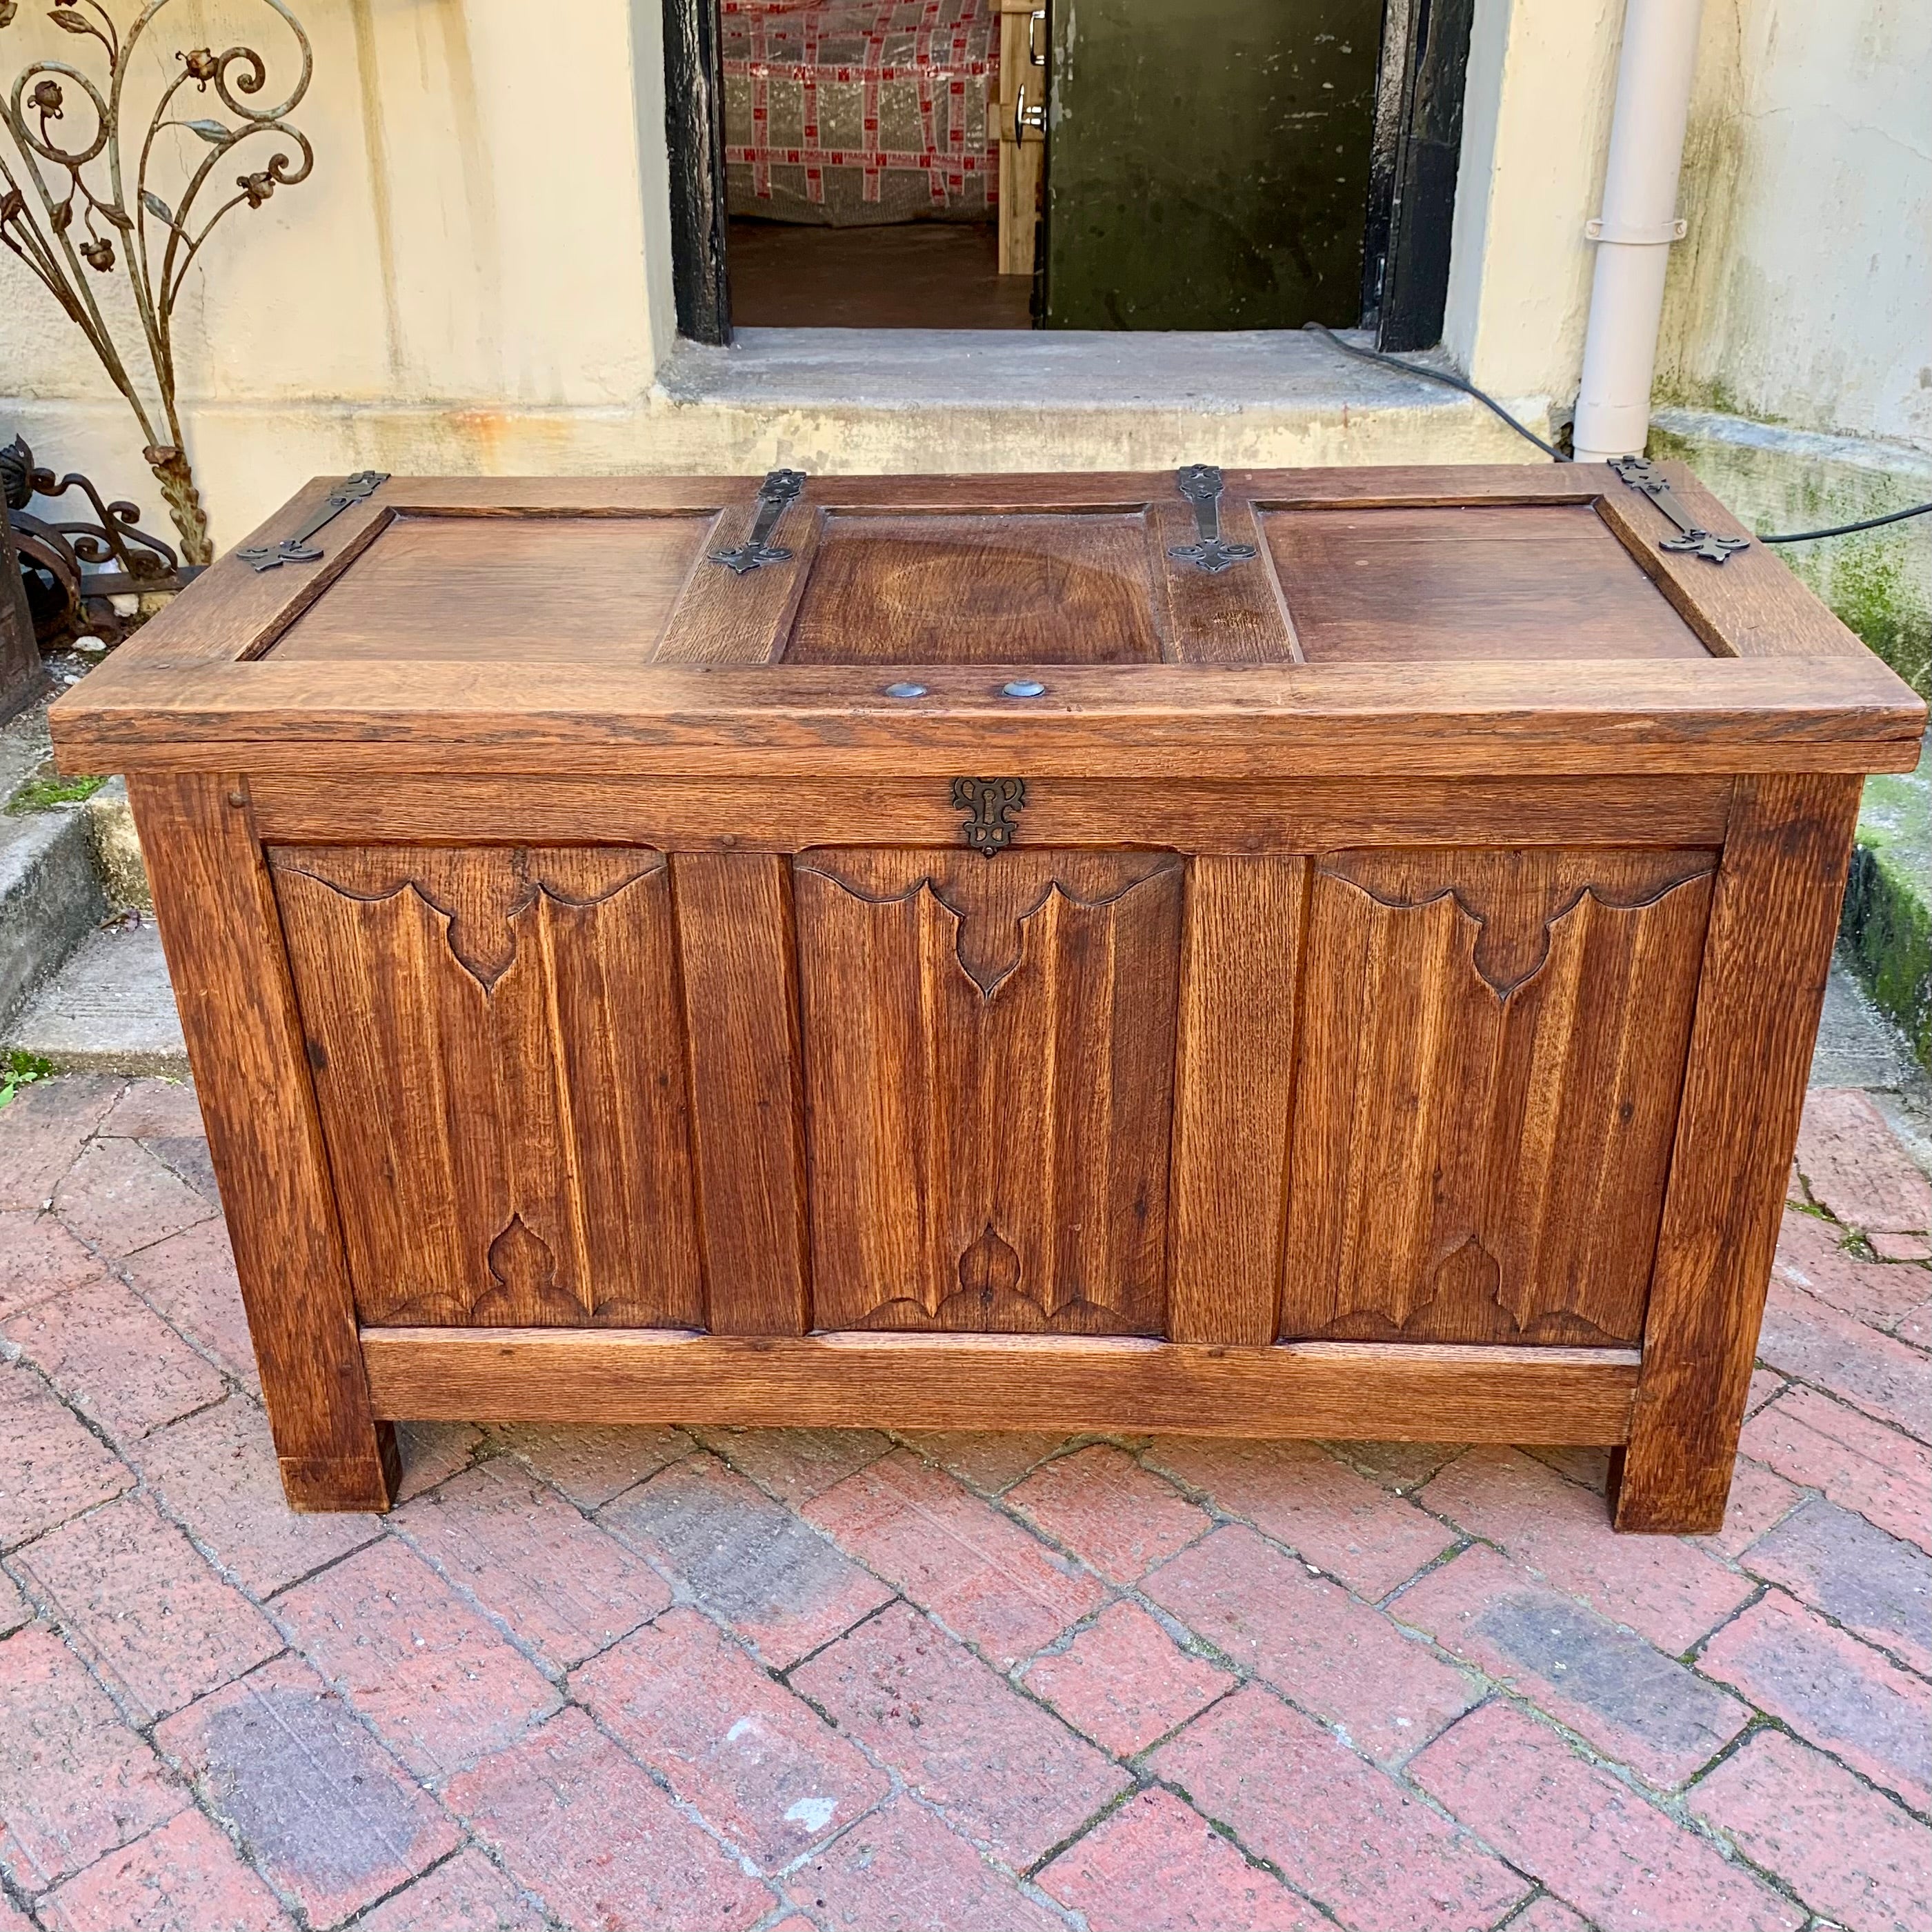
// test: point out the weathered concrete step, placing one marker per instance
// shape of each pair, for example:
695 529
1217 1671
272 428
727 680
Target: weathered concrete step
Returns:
110 1009
50 897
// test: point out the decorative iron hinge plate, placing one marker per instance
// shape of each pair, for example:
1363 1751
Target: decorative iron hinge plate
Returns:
780 488
993 805
298 549
1200 483
1642 475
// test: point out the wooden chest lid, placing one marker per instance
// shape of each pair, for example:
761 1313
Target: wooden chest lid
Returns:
883 619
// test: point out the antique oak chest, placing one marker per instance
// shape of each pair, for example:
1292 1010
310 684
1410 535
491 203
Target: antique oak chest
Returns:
1331 953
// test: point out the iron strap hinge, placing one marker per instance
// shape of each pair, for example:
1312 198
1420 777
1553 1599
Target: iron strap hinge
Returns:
1642 475
298 549
1200 483
780 488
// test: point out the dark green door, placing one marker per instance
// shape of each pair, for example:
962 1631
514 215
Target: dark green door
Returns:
1208 162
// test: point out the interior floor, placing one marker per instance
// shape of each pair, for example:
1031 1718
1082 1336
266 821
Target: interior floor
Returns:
916 274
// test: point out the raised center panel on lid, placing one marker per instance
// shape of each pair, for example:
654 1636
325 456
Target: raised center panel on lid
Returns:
511 588
1541 581
1059 587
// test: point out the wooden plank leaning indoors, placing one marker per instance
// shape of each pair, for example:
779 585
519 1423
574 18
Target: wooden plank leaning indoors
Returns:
1328 952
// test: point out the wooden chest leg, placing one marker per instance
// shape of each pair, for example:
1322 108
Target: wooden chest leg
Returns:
216 908
1773 918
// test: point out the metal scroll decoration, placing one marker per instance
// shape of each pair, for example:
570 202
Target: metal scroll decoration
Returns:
1643 475
75 565
1200 483
781 488
298 548
81 196
992 806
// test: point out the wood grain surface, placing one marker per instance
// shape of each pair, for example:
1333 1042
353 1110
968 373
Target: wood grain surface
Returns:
1773 920
1312 1389
1204 816
989 1051
1506 719
1492 1044
1241 969
739 966
216 909
498 1051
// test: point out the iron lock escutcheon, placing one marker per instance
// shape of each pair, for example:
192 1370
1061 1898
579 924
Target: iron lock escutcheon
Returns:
993 807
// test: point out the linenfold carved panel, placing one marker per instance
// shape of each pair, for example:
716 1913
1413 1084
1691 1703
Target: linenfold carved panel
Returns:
1492 1049
989 1078
499 1062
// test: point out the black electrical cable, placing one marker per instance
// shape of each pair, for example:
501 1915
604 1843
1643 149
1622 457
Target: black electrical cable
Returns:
1845 529
1450 380
1447 378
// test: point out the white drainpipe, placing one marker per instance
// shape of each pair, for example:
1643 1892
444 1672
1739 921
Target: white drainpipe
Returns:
1638 225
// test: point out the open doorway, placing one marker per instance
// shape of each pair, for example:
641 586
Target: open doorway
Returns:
863 178
1124 164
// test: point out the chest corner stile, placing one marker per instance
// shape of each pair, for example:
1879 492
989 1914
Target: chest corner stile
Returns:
995 952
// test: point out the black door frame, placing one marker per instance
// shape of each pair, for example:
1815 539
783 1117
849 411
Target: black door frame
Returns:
695 129
1417 144
1412 170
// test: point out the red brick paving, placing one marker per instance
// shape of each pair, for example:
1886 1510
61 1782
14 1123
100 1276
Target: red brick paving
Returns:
1833 1690
1593 1841
1880 1472
557 1583
1299 1495
1117 1517
592 1465
1856 1170
956 1556
75 1782
39 1258
467 1895
183 1877
1847 1852
439 1682
1156 1866
1345 1835
584 1827
901 1867
1339 1660
142 1607
118 1197
973 1683
1013 1778
215 1473
1668 1589
761 1764
1615 1691
1124 1682
114 1360
748 1560
330 1818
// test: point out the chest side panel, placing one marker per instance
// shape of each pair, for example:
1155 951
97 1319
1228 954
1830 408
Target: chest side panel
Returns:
499 1062
988 1057
1492 1053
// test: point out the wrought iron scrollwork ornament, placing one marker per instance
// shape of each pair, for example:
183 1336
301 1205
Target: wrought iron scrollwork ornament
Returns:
780 488
80 204
298 549
1643 475
76 566
992 806
1200 483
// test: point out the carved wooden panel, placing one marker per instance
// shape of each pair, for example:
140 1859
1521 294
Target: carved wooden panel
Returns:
1492 1049
499 1059
989 1050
